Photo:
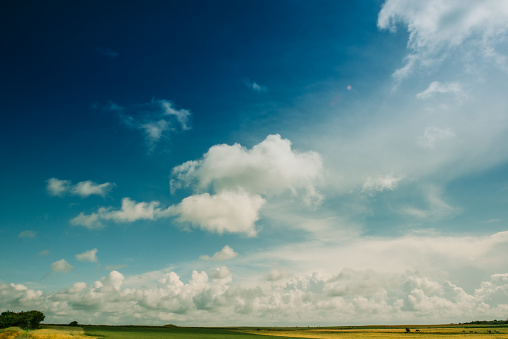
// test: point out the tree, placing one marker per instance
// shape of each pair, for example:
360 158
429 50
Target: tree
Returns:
28 320
73 323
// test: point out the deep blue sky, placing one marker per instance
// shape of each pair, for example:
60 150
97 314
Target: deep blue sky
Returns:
254 162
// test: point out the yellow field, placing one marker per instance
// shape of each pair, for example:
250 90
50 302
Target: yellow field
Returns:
57 332
392 333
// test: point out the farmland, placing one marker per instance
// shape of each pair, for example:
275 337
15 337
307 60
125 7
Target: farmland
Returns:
344 332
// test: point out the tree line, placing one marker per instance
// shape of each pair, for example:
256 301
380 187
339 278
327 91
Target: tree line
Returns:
27 320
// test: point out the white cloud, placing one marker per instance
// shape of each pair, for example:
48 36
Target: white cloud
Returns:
270 167
27 234
228 211
87 188
275 275
90 256
381 183
44 252
130 211
437 27
61 266
439 88
219 273
225 254
57 187
90 221
434 135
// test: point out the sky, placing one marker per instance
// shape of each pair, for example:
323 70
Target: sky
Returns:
254 162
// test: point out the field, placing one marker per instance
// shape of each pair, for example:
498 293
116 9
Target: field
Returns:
366 332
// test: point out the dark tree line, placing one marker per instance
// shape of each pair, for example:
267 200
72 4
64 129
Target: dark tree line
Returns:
28 320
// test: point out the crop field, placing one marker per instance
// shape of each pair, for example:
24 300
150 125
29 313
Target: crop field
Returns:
147 332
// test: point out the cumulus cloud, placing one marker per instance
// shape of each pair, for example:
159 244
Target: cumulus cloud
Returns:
438 88
357 296
157 118
61 266
225 253
90 255
275 275
228 211
219 273
57 187
270 167
436 27
27 234
381 183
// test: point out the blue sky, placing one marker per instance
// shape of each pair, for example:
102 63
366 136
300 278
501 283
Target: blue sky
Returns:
255 162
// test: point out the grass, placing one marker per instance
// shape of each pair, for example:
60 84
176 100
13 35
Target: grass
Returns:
349 332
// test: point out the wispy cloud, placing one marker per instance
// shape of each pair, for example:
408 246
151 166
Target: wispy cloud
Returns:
438 88
27 234
107 52
381 183
434 135
436 28
57 187
255 86
157 119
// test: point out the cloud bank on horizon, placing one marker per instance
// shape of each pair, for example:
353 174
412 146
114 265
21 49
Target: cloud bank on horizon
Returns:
274 207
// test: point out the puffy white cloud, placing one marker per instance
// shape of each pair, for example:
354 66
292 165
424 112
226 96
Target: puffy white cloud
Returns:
27 234
228 211
87 188
362 296
381 183
90 255
436 27
130 211
90 221
270 167
61 266
438 88
225 253
57 187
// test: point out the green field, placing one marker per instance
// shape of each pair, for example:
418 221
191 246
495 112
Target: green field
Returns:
343 332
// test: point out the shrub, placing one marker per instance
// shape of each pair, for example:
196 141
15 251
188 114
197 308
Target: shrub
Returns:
28 320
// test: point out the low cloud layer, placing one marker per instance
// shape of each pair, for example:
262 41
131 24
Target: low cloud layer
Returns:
353 296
